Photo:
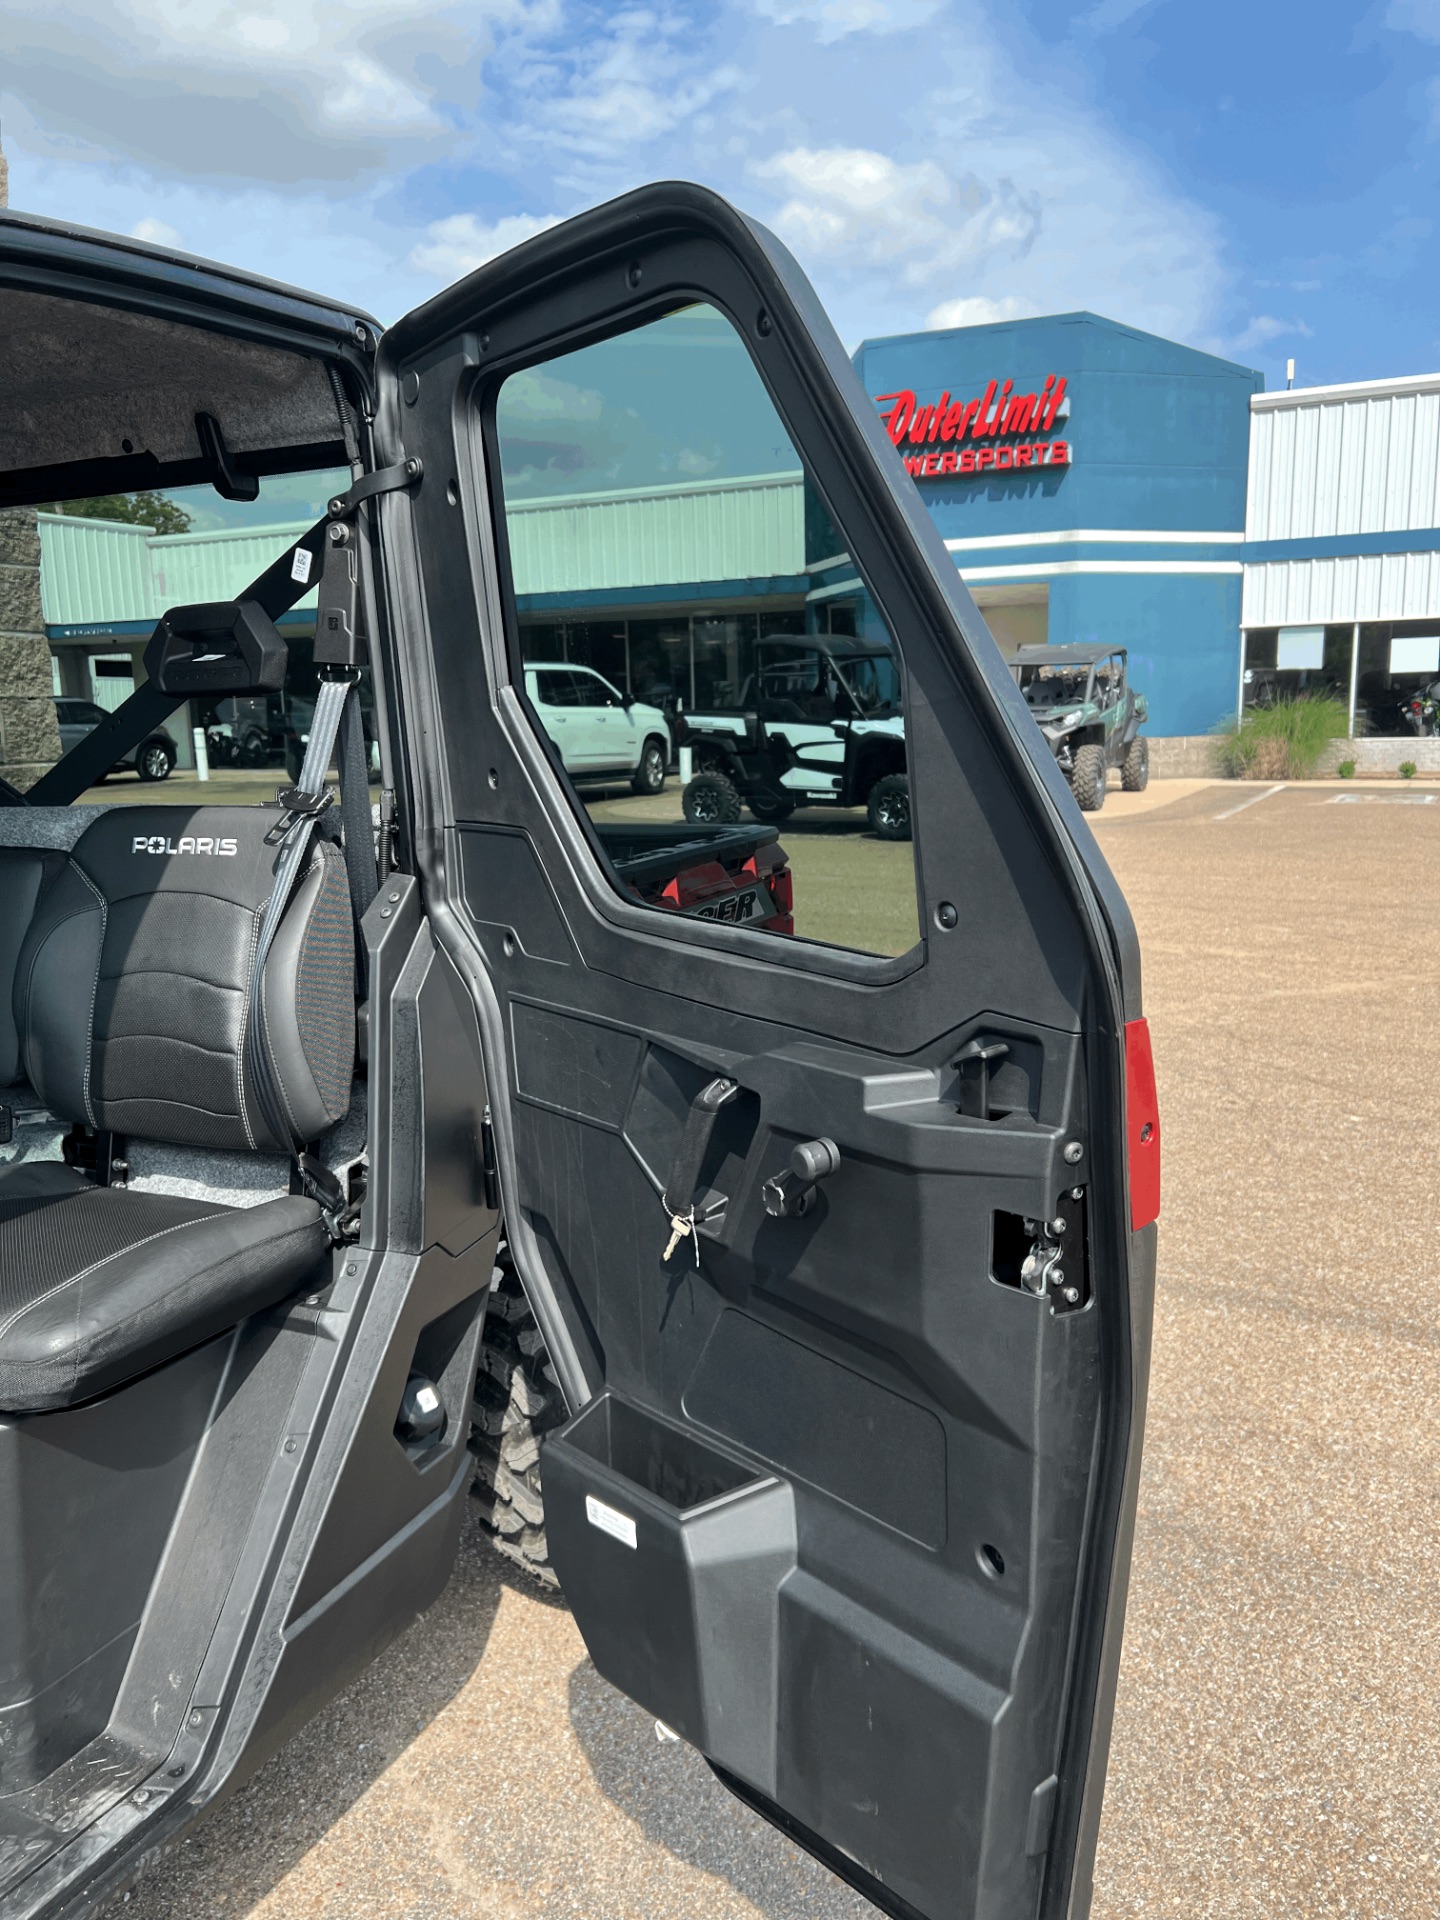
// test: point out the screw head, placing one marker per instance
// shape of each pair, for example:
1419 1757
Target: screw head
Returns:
393 898
337 505
354 1267
1077 1193
1057 1276
385 912
197 1719
947 915
290 1446
632 275
1072 1294
762 323
1074 1152
412 467
1059 1224
362 335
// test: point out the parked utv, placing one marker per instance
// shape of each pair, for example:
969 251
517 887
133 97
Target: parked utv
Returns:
818 724
1090 714
822 1278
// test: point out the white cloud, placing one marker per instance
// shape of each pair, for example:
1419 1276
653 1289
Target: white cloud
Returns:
834 19
977 310
1420 17
459 243
994 182
1110 14
284 90
157 232
856 207
1263 328
602 94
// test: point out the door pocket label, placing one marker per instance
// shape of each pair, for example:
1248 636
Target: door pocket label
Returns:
610 1520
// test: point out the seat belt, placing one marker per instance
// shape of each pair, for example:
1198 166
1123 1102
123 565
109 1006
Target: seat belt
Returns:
303 805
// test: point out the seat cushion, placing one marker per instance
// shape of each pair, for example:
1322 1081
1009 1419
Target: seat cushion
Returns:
98 1284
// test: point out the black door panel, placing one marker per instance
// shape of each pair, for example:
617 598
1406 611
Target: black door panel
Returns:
845 1495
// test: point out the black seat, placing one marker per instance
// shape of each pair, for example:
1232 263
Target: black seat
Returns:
131 1001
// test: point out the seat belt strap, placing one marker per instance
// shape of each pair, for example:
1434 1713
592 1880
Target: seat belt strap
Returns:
303 805
359 828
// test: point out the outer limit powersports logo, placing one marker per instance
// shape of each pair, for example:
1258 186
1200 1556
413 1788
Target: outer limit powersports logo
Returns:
199 843
981 422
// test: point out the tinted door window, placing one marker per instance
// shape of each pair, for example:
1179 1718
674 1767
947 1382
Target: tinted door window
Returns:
651 473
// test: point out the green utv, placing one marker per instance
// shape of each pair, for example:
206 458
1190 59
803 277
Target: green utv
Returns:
1083 702
828 1275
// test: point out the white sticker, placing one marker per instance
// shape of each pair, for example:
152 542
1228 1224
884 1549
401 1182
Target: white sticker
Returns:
300 565
618 1525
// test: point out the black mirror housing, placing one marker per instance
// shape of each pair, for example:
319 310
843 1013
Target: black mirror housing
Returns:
217 647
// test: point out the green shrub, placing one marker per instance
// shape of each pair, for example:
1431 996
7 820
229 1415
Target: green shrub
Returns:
1283 742
1346 769
1408 769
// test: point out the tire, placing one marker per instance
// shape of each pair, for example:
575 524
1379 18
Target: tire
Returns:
1087 782
253 751
711 800
772 812
889 807
153 762
649 775
516 1400
1135 767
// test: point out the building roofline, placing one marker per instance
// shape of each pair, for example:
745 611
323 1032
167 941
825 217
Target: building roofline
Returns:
1348 390
1080 315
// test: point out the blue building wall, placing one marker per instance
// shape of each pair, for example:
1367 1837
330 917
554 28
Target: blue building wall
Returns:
1159 440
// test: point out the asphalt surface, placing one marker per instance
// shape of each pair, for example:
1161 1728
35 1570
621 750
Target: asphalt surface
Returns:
1277 1746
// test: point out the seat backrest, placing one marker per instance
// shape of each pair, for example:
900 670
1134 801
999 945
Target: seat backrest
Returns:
132 990
22 871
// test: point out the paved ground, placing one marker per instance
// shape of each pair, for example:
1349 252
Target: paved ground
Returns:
1278 1740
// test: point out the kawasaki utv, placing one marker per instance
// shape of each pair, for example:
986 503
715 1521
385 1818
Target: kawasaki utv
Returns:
842 1263
1089 713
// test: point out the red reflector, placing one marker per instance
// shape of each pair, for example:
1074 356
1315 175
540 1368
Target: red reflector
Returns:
1142 1125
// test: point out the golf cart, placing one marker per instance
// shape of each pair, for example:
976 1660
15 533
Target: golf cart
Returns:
817 724
1086 708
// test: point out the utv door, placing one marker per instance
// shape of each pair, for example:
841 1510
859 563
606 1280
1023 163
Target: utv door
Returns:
846 1496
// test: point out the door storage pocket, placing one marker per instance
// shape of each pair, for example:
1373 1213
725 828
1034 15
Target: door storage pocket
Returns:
671 1553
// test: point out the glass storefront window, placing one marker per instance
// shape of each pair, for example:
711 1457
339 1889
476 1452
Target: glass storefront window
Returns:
1282 663
1398 682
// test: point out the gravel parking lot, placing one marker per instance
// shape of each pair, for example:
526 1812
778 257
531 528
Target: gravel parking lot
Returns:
1278 1743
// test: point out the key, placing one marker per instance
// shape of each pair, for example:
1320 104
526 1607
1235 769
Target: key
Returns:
680 1225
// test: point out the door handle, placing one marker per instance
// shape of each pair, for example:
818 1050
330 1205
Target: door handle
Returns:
791 1193
679 1196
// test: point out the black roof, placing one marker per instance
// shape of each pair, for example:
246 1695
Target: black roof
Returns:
1078 655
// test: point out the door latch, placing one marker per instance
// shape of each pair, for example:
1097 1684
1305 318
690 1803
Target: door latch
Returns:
791 1193
1047 1258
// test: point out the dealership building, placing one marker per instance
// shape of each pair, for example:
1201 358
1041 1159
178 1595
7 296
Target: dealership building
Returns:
1241 544
1092 483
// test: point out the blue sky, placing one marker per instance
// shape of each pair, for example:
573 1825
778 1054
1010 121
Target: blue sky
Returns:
1260 180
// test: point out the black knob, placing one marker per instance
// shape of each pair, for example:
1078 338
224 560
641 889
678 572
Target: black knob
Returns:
814 1160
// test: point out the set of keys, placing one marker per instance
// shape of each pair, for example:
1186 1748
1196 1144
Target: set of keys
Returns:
681 1225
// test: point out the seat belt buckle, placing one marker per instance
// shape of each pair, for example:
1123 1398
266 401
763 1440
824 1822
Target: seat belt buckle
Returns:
299 804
